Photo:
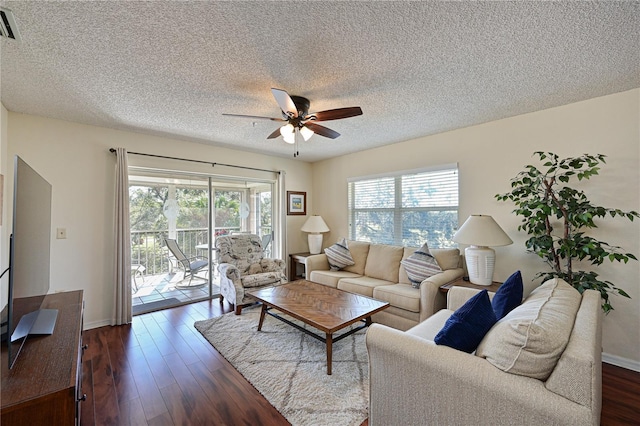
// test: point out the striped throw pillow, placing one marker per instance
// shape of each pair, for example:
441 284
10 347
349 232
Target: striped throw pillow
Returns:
420 266
339 255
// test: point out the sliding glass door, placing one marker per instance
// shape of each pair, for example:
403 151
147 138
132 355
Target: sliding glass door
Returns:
176 206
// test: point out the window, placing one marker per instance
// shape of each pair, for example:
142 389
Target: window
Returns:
405 208
175 204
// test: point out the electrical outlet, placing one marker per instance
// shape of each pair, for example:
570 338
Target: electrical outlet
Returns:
61 233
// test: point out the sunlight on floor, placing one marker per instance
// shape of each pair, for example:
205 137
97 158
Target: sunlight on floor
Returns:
154 288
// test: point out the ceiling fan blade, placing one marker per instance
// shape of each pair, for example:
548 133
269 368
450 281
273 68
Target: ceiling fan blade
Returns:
335 114
285 102
275 134
322 131
254 116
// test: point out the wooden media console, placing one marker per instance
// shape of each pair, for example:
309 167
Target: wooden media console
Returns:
45 384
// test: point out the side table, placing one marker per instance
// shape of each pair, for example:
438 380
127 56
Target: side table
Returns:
296 259
462 283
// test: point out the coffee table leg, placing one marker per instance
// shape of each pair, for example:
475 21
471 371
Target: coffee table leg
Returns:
262 312
329 339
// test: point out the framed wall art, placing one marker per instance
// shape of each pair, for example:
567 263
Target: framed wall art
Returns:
296 203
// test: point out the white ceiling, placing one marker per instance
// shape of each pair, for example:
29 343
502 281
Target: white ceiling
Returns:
415 68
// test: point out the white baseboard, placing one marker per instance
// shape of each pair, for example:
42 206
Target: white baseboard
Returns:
96 324
621 362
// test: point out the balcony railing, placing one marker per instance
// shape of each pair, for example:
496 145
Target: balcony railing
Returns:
149 250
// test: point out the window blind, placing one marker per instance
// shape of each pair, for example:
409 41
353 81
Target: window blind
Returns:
407 208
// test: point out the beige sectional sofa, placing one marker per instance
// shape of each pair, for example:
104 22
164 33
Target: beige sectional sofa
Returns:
377 273
539 365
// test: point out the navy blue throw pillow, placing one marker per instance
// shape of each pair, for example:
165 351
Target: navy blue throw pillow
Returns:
466 327
508 296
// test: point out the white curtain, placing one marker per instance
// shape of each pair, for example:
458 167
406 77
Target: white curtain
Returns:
122 290
280 219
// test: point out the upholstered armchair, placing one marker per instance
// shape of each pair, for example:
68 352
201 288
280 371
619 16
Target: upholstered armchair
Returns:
243 268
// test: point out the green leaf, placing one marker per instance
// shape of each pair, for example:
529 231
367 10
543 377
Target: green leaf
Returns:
557 221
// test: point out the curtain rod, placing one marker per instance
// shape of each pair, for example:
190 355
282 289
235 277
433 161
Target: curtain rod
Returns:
197 161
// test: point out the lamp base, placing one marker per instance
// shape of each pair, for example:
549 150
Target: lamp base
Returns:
315 243
480 263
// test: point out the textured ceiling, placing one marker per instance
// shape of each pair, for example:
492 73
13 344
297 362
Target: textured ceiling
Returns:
415 68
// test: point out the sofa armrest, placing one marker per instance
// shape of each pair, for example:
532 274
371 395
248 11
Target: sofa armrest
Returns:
229 271
431 299
230 283
413 379
272 265
316 262
458 296
444 277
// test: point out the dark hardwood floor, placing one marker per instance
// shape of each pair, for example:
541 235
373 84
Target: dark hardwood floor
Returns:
161 371
620 396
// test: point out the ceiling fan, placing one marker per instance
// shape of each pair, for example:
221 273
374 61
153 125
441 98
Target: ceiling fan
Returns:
295 112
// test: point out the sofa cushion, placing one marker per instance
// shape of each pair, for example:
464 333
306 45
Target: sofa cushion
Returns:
359 251
339 255
429 328
361 285
421 265
447 258
508 296
330 278
466 327
383 262
531 338
403 296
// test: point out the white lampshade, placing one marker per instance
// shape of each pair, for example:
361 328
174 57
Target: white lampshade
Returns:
288 133
289 138
287 129
480 232
315 225
306 132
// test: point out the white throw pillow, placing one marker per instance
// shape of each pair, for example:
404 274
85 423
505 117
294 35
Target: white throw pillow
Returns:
530 339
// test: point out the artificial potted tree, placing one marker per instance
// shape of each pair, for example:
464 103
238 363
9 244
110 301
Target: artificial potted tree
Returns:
557 217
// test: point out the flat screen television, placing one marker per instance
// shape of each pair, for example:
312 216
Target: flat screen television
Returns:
29 254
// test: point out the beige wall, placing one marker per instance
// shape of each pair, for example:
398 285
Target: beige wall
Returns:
76 160
489 155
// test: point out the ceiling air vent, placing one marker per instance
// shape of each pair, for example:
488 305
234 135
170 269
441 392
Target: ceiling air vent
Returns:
8 27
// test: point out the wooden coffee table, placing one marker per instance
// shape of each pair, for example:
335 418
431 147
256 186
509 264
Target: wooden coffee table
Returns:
324 308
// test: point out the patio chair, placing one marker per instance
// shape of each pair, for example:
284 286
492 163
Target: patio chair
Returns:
243 268
266 240
137 270
190 265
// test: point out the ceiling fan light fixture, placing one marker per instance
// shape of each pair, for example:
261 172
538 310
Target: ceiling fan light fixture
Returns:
295 113
289 138
306 133
287 129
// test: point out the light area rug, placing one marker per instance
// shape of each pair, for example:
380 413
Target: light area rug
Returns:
288 367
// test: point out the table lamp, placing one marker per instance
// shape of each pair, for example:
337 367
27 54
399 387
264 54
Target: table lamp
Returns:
480 232
315 226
